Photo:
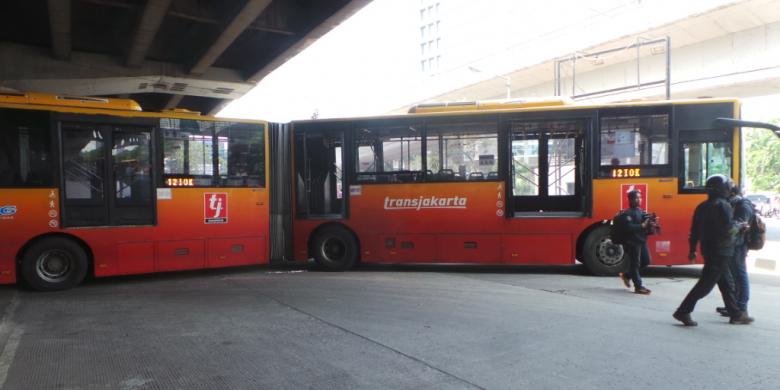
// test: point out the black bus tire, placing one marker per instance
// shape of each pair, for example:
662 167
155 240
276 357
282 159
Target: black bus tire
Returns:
54 263
335 249
600 255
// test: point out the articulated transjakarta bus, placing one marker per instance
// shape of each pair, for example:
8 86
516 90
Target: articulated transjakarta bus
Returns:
92 186
526 182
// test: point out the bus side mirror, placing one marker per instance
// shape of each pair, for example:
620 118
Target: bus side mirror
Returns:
731 122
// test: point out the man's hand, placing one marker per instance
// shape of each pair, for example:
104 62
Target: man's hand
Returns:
692 256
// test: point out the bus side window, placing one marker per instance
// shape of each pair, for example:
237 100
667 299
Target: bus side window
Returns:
188 148
635 141
703 159
391 154
462 149
240 149
24 149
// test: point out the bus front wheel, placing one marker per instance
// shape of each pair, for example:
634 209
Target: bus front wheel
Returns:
54 263
335 249
602 256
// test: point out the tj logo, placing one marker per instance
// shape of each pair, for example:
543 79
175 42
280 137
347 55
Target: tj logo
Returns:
7 210
215 205
215 208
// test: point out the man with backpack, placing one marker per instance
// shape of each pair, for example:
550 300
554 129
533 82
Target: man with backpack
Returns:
736 277
714 227
631 227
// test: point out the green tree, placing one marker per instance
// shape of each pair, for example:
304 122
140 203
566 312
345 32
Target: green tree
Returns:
763 160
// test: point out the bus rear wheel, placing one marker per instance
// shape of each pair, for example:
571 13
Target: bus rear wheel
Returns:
602 256
54 263
335 249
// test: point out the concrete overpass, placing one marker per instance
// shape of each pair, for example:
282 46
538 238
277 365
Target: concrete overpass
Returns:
190 54
730 51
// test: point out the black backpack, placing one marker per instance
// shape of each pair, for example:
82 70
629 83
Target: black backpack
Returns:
618 228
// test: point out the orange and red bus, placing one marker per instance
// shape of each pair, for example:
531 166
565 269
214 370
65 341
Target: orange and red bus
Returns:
92 186
519 182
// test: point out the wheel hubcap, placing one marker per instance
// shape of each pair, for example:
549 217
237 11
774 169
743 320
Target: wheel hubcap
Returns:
610 254
334 249
53 266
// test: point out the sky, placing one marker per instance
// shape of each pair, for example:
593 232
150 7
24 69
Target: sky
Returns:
370 64
761 108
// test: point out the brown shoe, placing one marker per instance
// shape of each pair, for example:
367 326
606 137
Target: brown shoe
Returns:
642 290
742 319
625 279
685 318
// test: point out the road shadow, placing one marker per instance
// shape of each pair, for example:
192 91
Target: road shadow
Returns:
216 274
687 271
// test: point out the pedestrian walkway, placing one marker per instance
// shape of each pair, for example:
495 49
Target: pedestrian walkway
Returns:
765 261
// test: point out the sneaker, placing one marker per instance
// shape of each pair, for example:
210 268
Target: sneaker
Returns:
625 279
642 290
685 318
742 319
722 311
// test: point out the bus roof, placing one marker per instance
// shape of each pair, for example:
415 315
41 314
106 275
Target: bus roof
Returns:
490 105
69 101
517 105
97 106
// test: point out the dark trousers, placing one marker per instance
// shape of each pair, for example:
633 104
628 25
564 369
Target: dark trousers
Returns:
638 256
737 277
714 267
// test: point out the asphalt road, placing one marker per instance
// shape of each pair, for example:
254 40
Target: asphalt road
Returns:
385 328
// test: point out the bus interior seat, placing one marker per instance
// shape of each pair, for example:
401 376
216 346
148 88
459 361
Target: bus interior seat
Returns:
406 177
476 176
446 174
366 178
492 175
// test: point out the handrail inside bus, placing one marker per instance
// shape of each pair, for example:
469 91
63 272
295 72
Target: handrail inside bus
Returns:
731 122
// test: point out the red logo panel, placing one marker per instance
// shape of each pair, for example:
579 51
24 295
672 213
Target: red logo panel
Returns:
626 188
215 207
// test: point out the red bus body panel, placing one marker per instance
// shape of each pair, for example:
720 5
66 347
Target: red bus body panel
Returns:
432 223
181 239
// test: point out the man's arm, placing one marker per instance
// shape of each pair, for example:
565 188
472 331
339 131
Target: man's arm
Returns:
693 237
743 211
730 226
636 225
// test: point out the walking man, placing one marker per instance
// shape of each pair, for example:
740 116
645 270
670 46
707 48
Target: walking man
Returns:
636 225
714 227
736 278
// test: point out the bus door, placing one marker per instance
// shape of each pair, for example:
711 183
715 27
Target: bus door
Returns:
546 170
107 175
319 174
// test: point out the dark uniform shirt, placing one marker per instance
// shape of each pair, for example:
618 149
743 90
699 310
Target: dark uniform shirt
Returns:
635 216
713 225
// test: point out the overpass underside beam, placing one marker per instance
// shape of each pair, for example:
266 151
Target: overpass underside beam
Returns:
25 69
